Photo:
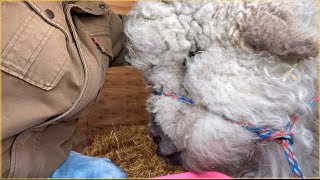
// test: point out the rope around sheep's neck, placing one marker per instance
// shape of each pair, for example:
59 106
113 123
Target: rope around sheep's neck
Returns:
179 98
284 136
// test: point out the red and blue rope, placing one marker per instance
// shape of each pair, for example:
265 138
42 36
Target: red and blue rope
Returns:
179 98
283 136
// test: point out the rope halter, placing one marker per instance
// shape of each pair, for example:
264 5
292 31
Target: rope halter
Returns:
283 136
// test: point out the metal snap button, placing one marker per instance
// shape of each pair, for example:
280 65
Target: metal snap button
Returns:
49 13
102 6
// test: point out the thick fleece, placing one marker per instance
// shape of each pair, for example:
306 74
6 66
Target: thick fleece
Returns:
250 61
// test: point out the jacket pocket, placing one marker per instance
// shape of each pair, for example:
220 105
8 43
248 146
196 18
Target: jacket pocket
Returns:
95 23
93 27
36 52
103 42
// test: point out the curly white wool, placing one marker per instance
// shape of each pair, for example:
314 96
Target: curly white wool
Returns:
247 48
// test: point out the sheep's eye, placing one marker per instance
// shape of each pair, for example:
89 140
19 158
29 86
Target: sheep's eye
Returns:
191 54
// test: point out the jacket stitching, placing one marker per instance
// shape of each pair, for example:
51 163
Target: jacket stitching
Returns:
22 75
85 66
99 34
65 65
41 157
42 85
39 84
101 12
14 154
50 21
17 36
37 50
92 28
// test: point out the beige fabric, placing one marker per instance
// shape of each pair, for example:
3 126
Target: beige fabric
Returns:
52 70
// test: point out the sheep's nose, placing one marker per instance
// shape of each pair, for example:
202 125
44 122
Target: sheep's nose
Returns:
174 159
156 139
171 159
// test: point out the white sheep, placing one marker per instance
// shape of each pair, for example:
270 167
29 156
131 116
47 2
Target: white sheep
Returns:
251 62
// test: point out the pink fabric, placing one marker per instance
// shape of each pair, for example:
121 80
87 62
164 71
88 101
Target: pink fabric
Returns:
209 174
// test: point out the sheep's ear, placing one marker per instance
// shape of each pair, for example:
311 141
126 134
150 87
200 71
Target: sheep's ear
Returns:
277 32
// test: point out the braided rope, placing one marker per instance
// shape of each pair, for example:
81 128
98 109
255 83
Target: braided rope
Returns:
283 136
180 98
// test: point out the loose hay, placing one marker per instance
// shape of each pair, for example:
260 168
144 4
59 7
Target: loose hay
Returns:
131 148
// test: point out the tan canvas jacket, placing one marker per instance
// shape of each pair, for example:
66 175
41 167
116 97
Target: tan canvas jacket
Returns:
53 60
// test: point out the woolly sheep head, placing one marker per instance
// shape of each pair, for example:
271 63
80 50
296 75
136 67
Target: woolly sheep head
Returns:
254 62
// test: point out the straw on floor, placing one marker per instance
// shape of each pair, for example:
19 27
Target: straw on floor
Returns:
131 148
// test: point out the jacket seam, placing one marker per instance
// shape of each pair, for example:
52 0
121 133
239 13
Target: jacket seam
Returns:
15 38
65 65
85 66
13 154
29 80
50 21
36 51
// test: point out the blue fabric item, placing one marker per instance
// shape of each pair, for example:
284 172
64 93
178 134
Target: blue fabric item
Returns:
81 166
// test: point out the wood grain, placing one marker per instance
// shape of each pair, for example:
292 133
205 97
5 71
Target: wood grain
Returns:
122 101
